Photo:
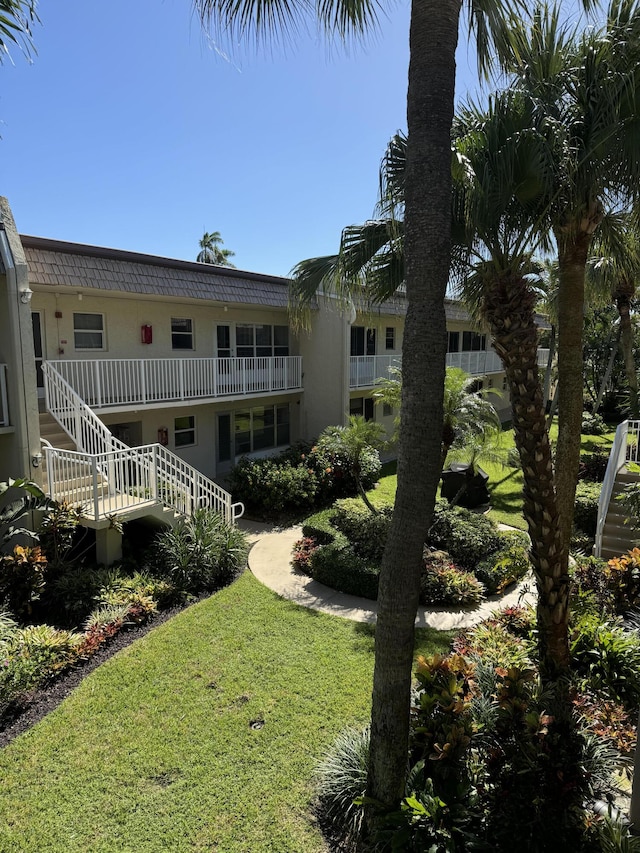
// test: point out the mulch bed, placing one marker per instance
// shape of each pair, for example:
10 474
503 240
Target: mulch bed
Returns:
20 717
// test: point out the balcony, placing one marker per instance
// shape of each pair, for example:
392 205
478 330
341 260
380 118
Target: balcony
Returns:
365 370
4 404
127 383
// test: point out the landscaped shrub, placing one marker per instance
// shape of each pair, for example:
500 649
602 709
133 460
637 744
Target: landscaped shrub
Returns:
201 553
467 536
495 644
366 532
592 424
22 579
585 515
341 780
31 656
319 527
300 478
57 534
508 565
593 466
442 582
609 658
273 486
608 720
337 566
623 579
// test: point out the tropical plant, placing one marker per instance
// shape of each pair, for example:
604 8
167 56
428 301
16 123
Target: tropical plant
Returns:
353 441
584 86
201 552
16 19
211 251
18 498
468 413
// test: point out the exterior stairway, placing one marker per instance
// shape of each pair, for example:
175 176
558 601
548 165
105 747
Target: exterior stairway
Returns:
613 536
51 431
618 537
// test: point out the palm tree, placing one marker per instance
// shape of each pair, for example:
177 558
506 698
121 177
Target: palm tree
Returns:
351 441
614 274
211 251
586 87
431 80
467 412
16 18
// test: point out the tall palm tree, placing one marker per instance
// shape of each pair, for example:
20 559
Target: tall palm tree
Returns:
614 273
587 87
211 251
433 39
467 412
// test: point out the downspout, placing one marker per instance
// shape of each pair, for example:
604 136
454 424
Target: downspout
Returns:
20 413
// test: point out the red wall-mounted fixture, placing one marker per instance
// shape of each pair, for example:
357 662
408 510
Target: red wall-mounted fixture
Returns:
146 334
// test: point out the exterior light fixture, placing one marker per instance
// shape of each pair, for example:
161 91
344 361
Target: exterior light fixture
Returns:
25 296
36 459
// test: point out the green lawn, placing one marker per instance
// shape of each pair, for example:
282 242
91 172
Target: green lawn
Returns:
155 751
505 484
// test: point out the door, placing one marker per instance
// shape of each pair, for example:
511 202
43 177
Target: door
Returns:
38 326
224 352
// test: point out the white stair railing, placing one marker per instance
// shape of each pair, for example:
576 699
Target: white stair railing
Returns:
624 449
107 476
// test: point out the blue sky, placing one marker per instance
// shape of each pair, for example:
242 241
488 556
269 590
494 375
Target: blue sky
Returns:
131 130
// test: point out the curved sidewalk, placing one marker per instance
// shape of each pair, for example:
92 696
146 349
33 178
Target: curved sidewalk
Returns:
270 562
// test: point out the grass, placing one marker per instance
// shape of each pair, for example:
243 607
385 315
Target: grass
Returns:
505 484
155 749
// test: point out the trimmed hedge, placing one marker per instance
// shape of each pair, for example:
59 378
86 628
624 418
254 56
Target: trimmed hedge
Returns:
508 565
467 536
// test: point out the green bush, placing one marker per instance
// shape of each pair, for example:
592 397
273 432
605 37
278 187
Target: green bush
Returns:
442 582
273 486
508 565
319 527
337 566
22 579
201 553
342 779
467 536
585 515
366 532
592 424
608 658
593 466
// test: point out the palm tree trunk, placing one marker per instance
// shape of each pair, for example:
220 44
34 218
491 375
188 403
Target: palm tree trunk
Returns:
433 39
572 260
615 338
509 307
626 340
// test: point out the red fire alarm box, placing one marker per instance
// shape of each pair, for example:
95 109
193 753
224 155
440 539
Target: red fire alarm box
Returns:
146 334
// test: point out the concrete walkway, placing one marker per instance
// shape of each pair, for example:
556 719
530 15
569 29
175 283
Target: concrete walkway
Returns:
270 562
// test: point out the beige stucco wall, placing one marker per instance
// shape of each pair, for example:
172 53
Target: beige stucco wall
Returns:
325 353
124 316
20 441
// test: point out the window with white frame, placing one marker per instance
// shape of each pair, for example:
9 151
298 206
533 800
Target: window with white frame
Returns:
261 428
88 331
181 333
390 337
362 406
453 341
184 431
473 342
387 410
259 339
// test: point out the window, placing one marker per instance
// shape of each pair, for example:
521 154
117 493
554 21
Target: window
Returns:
258 340
473 342
261 428
88 331
387 410
453 341
181 333
363 341
362 406
184 430
390 338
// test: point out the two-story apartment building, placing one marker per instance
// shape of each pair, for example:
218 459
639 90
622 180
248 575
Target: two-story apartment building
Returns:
129 381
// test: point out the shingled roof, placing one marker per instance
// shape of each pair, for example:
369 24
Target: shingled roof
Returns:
59 264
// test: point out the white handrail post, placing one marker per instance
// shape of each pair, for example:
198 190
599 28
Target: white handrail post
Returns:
143 382
153 472
181 375
98 383
94 478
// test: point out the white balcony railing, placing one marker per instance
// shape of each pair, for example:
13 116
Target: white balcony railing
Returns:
365 370
105 383
4 405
